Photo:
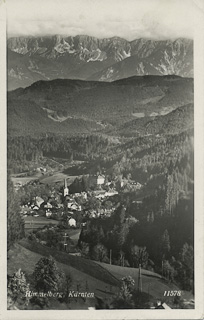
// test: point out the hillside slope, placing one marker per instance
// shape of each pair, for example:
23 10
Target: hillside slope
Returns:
174 122
20 257
74 106
98 275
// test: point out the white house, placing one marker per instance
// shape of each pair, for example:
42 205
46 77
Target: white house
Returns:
84 195
38 201
100 179
35 207
111 193
72 222
48 205
99 194
97 179
76 207
73 205
48 213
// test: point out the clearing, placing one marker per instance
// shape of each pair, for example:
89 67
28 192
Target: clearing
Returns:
58 177
38 222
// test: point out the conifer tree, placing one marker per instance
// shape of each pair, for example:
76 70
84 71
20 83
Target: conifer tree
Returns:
48 276
17 289
165 243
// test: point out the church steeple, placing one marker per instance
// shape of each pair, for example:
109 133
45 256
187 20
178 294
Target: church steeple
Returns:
66 190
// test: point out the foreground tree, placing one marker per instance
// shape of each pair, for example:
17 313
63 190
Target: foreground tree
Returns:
129 297
123 300
48 276
99 253
168 270
16 291
187 271
165 244
139 256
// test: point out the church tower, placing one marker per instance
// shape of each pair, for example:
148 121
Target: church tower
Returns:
66 190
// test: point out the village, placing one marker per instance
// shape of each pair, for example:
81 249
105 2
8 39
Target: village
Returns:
73 209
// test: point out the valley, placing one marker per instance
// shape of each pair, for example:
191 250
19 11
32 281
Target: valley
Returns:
103 182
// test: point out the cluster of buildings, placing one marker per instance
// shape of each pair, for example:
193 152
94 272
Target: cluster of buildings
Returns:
68 204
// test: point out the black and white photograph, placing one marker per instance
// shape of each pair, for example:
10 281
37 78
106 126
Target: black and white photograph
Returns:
101 190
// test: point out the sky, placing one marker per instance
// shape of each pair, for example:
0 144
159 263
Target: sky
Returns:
129 19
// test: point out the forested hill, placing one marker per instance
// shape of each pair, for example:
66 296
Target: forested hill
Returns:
174 122
74 106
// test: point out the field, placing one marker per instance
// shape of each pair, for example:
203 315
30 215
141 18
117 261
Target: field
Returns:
58 177
23 180
84 265
152 283
74 234
38 222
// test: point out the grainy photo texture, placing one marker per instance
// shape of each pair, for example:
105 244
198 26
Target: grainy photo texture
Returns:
100 151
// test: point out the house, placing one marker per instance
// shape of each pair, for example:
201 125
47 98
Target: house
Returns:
72 222
99 194
100 179
161 305
97 180
18 184
111 193
77 194
69 204
84 195
137 201
38 201
137 185
48 213
48 205
75 207
35 207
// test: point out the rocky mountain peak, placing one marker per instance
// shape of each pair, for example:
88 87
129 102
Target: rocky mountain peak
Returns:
87 57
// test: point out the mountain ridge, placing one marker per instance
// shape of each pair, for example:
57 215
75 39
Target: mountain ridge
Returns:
84 57
64 105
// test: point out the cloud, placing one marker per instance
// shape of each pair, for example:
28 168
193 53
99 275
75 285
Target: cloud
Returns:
101 18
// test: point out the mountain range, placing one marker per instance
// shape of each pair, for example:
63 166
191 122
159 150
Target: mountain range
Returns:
88 58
